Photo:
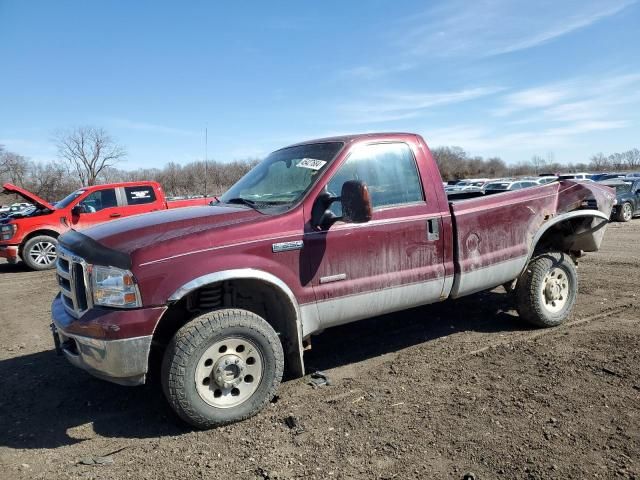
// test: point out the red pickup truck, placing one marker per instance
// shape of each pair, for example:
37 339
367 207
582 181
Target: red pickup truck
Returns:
33 236
318 234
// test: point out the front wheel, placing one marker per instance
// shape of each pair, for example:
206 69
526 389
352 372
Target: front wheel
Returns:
546 291
625 213
39 253
222 367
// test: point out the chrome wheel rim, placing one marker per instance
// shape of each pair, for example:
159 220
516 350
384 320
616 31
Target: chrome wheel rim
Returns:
555 290
228 372
43 253
626 211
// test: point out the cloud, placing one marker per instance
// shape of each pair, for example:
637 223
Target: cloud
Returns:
580 20
392 106
149 127
496 27
373 72
492 141
580 98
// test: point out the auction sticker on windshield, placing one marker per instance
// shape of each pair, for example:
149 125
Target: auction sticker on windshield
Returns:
311 163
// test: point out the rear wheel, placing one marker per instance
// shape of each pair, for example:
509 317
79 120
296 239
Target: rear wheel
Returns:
40 252
625 213
222 367
546 291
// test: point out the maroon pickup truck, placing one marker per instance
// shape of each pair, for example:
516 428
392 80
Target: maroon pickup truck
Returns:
318 234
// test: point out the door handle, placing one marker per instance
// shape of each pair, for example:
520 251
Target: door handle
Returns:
115 215
433 229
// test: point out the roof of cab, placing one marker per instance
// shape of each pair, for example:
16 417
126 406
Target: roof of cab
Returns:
346 139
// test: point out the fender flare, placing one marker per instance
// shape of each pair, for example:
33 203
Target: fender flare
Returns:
559 219
251 274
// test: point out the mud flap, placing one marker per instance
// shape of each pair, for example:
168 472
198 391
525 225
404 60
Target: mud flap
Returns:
56 339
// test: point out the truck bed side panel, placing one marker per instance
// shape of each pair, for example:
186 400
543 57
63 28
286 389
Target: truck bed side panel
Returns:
493 235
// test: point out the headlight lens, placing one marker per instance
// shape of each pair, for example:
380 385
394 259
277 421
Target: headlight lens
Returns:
114 287
8 230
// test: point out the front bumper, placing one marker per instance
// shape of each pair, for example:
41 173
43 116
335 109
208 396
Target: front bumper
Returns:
118 360
10 252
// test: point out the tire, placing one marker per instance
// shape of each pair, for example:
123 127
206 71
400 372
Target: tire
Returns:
546 291
40 252
625 212
201 378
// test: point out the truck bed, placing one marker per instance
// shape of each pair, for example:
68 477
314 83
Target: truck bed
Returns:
492 235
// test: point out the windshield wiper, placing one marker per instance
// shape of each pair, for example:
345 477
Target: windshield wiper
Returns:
242 201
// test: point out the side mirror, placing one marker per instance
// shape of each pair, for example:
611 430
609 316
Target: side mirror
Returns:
321 216
356 202
77 210
356 205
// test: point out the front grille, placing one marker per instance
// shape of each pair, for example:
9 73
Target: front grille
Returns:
73 281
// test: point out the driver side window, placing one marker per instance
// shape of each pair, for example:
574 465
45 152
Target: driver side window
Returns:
99 200
388 169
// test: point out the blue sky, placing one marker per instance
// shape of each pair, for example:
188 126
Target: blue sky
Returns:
497 77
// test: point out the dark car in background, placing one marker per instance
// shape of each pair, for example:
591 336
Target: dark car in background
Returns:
627 203
599 177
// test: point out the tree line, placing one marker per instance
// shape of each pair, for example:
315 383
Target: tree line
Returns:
455 163
88 156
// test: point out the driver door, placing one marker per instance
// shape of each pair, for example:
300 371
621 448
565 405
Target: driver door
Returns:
98 207
393 262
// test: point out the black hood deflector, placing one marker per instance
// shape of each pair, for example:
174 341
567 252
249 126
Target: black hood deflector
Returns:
94 252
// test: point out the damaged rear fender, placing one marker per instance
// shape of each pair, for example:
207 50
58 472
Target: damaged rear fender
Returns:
579 230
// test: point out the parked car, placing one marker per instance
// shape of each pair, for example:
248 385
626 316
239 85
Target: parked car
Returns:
598 177
627 204
574 176
471 184
318 234
13 209
31 234
545 179
507 185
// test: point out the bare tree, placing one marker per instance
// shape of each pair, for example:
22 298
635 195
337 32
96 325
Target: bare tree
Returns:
13 167
88 151
538 163
599 162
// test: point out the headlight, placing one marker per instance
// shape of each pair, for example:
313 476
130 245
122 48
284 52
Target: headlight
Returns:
113 287
8 230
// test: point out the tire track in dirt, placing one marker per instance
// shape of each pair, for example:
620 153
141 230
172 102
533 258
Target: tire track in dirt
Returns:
525 337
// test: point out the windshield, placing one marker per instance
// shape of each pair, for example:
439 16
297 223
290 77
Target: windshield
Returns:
68 199
626 188
283 177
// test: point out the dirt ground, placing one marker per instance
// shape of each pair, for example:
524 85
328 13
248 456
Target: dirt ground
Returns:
434 392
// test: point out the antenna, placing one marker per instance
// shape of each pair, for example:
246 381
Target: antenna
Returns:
205 160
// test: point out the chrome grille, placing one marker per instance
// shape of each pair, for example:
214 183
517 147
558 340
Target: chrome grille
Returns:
73 281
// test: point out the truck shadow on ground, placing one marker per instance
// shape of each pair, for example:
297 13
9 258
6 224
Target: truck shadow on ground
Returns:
45 403
483 312
19 267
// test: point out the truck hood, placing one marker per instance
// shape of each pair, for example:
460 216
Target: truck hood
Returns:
27 195
195 227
